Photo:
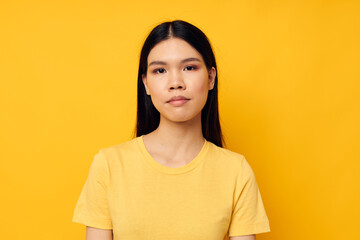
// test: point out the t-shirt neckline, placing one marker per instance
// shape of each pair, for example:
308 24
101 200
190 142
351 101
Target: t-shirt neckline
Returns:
170 170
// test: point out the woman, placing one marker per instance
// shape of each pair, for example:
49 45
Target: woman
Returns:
174 180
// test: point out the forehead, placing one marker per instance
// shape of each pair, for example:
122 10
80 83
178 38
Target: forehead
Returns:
173 49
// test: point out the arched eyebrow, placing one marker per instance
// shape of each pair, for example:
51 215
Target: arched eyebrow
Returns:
182 61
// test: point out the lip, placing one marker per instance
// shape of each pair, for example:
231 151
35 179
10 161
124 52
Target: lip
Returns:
178 100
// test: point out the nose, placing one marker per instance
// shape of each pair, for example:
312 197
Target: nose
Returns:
176 81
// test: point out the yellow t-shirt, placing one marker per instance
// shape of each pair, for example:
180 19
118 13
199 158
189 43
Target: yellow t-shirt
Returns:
140 199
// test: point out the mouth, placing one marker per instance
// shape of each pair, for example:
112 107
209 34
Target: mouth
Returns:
178 100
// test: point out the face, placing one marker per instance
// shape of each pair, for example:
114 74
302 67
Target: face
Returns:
178 80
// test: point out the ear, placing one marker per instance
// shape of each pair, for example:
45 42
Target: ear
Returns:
212 75
145 84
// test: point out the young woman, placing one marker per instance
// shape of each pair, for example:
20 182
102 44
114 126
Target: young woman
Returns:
173 180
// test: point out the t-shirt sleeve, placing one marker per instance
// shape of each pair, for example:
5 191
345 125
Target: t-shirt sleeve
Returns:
92 207
248 216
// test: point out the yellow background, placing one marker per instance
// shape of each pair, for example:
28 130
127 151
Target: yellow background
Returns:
289 83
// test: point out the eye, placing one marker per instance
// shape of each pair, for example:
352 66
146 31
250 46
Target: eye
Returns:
159 70
189 68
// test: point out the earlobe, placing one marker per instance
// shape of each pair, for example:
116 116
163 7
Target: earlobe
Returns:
212 76
145 84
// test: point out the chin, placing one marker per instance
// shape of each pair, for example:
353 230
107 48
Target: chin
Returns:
182 118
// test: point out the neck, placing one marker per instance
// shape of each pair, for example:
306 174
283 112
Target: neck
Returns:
179 134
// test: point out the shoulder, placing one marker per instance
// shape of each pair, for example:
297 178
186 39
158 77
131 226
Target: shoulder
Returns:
227 156
116 153
233 161
124 147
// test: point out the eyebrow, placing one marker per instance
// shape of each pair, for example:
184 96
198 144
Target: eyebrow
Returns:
182 61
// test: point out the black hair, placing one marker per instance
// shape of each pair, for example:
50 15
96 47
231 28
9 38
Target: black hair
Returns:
148 117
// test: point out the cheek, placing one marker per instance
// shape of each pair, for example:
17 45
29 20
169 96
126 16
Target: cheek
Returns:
201 91
156 90
201 87
158 98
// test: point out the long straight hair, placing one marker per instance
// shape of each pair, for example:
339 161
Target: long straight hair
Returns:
148 117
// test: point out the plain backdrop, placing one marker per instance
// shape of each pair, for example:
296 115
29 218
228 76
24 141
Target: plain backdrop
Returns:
289 82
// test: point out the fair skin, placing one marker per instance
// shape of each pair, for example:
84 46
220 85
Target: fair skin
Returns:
98 234
175 69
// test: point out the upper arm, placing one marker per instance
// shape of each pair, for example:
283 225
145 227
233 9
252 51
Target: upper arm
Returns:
247 237
92 208
248 214
98 234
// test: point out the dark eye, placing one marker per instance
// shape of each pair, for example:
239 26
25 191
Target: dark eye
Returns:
189 68
159 70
